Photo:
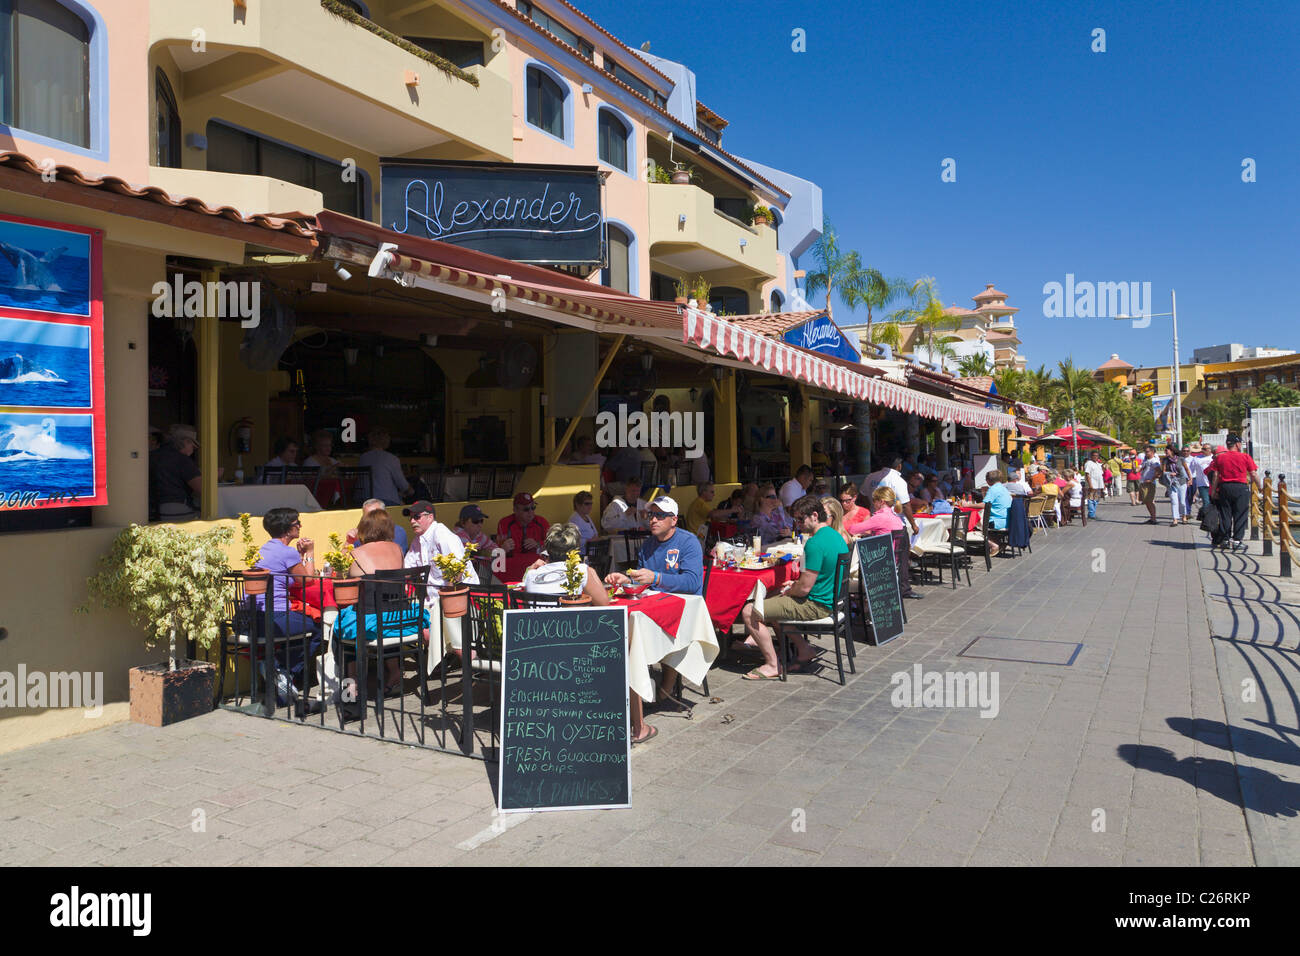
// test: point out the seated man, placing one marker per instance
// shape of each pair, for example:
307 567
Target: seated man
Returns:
702 510
433 537
670 560
525 530
807 598
623 513
371 505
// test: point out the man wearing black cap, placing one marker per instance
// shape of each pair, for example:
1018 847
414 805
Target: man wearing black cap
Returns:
432 538
1231 470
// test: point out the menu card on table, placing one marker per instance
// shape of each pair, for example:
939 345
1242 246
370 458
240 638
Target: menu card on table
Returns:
564 715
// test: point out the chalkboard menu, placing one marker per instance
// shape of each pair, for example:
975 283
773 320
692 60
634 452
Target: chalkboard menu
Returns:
879 574
564 716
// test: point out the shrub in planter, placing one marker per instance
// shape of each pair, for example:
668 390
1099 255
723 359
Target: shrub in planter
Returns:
255 579
339 560
171 585
452 595
573 580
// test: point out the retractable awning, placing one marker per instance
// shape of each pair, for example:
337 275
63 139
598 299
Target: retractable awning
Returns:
728 339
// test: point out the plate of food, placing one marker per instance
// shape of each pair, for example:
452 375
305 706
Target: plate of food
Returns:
630 590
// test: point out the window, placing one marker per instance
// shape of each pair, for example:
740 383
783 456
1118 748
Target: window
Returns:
709 133
1182 386
729 301
167 152
464 53
45 70
730 206
617 274
613 134
232 150
634 81
545 102
560 30
775 301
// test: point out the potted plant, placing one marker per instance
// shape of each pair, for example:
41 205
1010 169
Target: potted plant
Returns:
682 174
761 216
700 291
172 586
339 560
682 288
255 579
574 579
660 174
452 595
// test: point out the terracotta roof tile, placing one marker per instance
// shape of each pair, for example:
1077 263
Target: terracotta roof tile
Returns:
990 293
1113 362
772 323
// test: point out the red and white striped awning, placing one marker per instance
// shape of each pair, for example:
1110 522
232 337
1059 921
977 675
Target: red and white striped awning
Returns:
728 339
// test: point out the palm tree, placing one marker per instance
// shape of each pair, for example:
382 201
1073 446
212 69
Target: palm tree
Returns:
926 313
865 285
835 266
1275 395
1076 392
978 364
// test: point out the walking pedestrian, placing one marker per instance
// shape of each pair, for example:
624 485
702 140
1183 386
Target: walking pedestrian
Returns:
1131 475
1149 471
1175 479
1230 471
1095 472
1197 462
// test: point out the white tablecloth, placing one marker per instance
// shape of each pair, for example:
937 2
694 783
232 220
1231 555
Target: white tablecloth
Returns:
691 653
257 500
931 530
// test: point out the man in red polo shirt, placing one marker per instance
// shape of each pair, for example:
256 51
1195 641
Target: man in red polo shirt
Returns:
525 530
1230 473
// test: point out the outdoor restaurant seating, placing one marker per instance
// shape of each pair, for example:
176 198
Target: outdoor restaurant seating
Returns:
481 631
952 551
240 636
837 625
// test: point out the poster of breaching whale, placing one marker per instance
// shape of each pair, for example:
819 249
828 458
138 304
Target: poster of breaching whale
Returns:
53 432
44 270
44 364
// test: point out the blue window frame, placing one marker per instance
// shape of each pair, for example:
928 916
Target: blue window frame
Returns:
47 52
547 102
614 136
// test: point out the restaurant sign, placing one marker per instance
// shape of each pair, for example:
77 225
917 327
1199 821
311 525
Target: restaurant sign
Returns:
821 335
524 212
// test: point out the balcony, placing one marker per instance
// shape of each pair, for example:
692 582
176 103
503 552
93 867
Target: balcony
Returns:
295 60
688 234
249 194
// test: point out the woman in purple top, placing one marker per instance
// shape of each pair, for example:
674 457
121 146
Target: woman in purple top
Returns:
282 559
770 521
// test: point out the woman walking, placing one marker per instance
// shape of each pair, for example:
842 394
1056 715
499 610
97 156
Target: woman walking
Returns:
1175 479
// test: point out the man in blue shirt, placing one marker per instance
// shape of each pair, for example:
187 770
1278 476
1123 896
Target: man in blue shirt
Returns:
670 560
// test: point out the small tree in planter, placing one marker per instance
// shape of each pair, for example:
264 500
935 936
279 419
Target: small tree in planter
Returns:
761 216
700 292
453 597
339 560
574 580
682 288
255 579
171 584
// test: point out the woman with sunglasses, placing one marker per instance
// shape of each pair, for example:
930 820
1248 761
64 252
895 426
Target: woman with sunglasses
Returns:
583 502
771 522
849 503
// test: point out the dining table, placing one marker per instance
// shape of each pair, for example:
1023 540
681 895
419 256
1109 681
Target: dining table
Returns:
672 629
730 590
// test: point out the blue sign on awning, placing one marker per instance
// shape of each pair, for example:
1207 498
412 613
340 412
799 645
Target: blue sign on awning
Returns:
821 335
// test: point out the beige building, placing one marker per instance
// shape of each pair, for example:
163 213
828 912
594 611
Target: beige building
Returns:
988 329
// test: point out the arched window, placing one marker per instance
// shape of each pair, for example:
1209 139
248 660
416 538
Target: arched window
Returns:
545 102
45 70
614 136
725 299
618 274
776 301
167 152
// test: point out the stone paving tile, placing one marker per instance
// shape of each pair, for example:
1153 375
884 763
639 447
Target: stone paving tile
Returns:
1137 726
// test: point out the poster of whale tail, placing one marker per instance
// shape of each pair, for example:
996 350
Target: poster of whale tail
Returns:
52 428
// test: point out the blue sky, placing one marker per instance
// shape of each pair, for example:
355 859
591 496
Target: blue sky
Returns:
1117 166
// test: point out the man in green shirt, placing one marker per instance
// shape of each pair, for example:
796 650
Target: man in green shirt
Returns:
807 598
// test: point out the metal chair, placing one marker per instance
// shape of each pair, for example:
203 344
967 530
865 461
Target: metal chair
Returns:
954 549
1034 510
357 485
242 631
503 483
632 540
480 484
271 476
838 624
482 630
301 475
598 556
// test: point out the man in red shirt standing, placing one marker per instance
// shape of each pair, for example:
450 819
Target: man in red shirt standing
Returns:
1229 474
525 530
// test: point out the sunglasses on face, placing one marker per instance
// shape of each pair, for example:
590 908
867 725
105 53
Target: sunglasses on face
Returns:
769 496
529 508
658 516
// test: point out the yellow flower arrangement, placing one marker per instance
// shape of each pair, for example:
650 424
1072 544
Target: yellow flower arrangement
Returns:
453 568
573 576
339 557
252 553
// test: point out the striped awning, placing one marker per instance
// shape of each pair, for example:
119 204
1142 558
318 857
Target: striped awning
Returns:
728 339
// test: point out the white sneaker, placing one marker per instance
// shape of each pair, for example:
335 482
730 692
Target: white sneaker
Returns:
1241 546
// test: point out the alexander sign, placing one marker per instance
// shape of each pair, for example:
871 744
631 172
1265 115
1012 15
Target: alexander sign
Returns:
821 335
524 212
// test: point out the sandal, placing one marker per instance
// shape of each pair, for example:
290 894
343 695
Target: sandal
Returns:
653 733
757 674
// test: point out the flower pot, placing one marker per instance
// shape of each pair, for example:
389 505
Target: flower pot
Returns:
454 600
255 581
347 591
681 177
680 300
160 697
580 599
761 222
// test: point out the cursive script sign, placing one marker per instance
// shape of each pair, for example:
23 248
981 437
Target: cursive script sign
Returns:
528 213
821 335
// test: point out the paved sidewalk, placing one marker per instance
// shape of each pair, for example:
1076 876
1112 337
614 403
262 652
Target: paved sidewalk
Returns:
1131 735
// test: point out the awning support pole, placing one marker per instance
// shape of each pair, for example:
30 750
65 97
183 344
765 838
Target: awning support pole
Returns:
591 392
208 340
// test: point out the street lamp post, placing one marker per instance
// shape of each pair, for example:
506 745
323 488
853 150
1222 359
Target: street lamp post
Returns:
1178 398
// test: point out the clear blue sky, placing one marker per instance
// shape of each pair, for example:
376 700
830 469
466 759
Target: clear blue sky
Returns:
1115 166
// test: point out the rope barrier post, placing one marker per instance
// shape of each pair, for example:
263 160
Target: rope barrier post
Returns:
1284 528
1268 514
1254 512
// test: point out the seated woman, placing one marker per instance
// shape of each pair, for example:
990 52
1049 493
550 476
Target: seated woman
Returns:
375 551
583 503
835 518
1075 492
849 502
998 498
882 516
770 522
547 574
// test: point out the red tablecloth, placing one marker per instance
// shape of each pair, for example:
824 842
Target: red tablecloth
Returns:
976 513
317 593
728 590
664 609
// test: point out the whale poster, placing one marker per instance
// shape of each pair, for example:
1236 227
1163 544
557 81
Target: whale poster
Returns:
52 428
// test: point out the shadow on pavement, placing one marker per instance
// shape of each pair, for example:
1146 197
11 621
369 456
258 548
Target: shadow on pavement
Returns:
1259 790
1251 743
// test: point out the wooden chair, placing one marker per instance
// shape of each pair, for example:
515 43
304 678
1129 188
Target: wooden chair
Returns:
272 475
838 624
503 483
301 475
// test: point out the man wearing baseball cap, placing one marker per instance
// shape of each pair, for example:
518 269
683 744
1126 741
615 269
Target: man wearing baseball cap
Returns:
174 480
432 538
1230 472
525 530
